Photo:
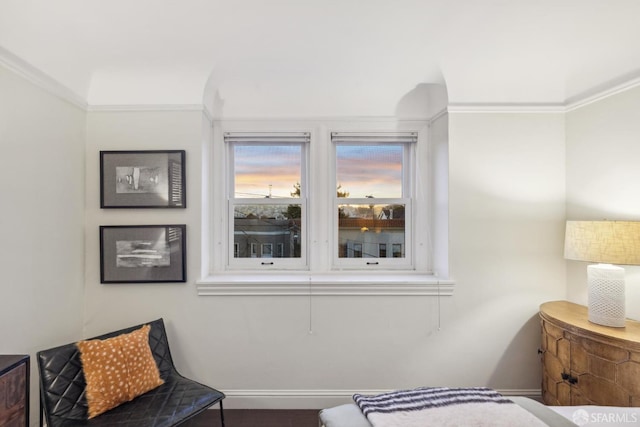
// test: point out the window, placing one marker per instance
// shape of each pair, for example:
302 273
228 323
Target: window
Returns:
354 250
373 201
382 250
299 204
397 250
265 193
267 250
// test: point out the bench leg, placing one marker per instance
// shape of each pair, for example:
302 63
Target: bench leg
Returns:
221 414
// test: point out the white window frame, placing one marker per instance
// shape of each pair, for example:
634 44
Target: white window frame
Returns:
406 199
322 276
256 260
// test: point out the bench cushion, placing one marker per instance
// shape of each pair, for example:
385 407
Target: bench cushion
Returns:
177 400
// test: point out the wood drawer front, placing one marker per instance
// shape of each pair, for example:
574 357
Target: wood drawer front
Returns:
12 397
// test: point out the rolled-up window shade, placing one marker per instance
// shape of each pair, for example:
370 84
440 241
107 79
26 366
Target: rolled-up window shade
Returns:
374 137
267 137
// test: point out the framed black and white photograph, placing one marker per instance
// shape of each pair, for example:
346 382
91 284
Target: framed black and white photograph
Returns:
142 253
142 179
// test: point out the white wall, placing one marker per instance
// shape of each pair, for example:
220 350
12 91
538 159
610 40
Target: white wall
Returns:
507 210
603 155
506 223
507 215
111 306
42 216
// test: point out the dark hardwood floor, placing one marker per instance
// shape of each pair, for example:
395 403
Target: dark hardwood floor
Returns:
257 418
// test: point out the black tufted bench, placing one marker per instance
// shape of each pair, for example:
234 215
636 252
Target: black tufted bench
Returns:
62 390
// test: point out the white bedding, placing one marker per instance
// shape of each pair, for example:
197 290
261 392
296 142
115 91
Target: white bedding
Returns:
349 415
444 407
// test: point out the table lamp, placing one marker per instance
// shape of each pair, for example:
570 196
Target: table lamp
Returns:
605 243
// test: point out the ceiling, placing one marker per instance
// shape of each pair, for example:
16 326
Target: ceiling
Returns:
532 52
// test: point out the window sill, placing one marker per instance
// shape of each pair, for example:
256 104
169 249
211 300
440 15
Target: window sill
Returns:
337 283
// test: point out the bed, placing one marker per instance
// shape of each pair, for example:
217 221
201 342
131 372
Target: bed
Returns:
351 415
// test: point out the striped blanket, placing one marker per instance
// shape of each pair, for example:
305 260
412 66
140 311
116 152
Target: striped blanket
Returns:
444 407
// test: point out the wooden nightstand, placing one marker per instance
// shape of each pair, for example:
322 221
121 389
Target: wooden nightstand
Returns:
588 364
14 390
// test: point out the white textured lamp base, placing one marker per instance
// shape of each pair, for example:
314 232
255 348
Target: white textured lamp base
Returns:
606 295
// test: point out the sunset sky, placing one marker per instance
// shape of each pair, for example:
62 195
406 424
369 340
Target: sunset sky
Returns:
366 170
361 170
258 166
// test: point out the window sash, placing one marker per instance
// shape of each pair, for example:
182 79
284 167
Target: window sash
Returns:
408 140
371 262
257 260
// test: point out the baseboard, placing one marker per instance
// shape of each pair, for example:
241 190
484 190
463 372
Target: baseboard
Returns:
317 399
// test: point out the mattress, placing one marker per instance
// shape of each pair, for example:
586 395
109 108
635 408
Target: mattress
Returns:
349 415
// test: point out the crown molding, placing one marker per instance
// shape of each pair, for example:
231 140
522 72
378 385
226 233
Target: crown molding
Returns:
144 107
591 97
507 108
437 116
44 81
34 75
207 113
570 104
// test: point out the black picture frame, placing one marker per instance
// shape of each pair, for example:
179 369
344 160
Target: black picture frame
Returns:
143 179
143 253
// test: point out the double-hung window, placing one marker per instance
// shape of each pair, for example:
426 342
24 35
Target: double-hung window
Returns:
329 206
373 202
267 204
